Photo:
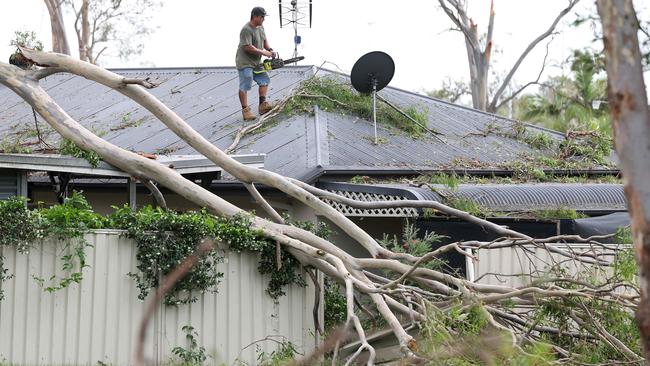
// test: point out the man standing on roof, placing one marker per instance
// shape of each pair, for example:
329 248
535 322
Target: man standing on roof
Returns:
252 46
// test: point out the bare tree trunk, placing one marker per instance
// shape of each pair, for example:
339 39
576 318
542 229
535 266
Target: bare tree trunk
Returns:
631 124
478 60
478 57
59 38
84 52
478 72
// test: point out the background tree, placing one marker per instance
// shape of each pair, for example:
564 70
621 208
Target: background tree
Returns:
114 27
576 101
592 19
480 49
451 91
59 38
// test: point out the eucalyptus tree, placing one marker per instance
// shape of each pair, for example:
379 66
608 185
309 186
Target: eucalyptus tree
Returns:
116 27
59 37
631 122
480 51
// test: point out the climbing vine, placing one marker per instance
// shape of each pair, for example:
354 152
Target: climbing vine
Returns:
66 223
163 238
283 272
17 229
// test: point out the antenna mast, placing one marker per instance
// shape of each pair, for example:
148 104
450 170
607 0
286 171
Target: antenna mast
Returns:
370 74
297 14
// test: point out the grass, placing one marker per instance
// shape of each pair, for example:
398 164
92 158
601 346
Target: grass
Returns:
13 147
451 181
469 206
127 122
558 213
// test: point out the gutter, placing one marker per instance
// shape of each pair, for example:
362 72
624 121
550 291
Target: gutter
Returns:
324 172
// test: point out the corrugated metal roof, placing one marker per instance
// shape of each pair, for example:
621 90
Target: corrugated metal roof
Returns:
527 197
504 197
207 99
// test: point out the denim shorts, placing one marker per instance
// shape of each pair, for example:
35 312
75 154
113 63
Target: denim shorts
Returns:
246 77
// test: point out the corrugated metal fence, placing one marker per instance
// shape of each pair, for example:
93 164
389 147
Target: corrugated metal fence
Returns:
97 320
517 266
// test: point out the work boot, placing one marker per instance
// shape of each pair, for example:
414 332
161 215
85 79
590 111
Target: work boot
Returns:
248 114
265 107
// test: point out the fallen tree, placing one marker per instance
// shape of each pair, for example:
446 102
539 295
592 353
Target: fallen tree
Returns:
402 288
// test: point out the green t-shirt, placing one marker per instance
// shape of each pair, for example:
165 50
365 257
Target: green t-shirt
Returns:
252 36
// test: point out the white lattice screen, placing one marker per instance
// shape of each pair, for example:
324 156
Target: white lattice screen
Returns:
371 197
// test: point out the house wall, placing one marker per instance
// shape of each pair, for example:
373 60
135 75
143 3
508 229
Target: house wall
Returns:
376 227
101 199
97 319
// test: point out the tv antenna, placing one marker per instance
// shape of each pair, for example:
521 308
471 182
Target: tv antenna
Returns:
370 74
298 14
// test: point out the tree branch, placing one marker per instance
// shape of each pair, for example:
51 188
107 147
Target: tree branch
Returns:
539 75
158 196
531 46
166 285
460 21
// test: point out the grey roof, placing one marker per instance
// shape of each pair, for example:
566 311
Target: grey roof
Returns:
500 197
297 146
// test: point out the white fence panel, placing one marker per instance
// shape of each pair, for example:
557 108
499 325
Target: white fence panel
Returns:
513 266
97 320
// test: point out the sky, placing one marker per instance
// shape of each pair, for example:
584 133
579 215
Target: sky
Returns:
416 33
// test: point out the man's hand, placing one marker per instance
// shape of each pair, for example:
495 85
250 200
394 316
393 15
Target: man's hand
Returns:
270 54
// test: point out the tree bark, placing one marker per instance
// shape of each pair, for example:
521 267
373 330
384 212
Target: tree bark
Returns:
631 125
59 38
84 50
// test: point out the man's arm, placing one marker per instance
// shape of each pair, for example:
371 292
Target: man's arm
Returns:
268 47
256 51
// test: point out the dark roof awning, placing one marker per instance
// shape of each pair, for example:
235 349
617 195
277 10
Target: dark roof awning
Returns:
183 164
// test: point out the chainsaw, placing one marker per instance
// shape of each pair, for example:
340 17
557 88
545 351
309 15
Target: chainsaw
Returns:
276 63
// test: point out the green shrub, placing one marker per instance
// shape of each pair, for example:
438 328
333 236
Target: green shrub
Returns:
335 305
192 353
285 353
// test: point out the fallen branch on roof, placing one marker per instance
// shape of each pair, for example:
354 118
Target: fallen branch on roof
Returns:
400 287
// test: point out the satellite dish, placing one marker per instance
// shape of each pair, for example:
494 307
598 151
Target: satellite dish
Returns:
373 71
370 74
